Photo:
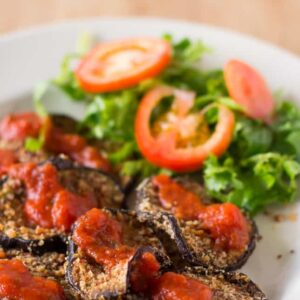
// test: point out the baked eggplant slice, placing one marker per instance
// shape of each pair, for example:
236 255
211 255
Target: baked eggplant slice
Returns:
94 280
187 240
50 265
15 232
203 283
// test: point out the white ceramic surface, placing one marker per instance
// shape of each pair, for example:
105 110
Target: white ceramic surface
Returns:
34 55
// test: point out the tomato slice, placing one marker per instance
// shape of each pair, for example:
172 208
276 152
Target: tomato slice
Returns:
248 88
163 147
117 65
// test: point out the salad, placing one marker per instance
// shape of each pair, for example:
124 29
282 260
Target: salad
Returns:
161 113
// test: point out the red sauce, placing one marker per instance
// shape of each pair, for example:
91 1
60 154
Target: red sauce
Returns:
225 222
17 283
20 126
7 158
101 237
172 286
182 203
76 147
48 204
144 273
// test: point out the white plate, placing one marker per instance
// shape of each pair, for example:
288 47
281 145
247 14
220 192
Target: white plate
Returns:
34 55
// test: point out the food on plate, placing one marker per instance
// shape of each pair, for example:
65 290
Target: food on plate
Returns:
106 248
40 202
224 125
122 64
192 155
180 140
200 231
50 265
23 134
223 286
110 256
247 87
17 282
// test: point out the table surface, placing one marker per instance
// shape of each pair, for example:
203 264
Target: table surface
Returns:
274 20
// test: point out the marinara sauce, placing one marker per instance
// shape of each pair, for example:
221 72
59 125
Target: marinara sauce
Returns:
101 237
16 282
172 286
74 146
48 204
18 127
225 222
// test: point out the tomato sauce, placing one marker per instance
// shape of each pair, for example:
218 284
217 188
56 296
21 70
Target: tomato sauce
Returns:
101 237
17 283
225 222
48 204
7 158
18 127
144 273
172 286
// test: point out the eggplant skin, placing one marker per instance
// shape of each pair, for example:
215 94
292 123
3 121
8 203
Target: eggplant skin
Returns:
55 243
226 285
182 245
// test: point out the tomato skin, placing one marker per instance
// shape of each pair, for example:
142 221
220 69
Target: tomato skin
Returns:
248 88
121 64
162 151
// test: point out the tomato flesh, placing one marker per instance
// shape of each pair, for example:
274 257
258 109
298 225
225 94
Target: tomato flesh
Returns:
164 148
225 222
248 88
16 282
117 65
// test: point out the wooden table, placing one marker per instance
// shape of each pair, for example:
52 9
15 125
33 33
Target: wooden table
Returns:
275 20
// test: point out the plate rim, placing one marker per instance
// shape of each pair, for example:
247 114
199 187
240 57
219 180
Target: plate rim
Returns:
55 25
